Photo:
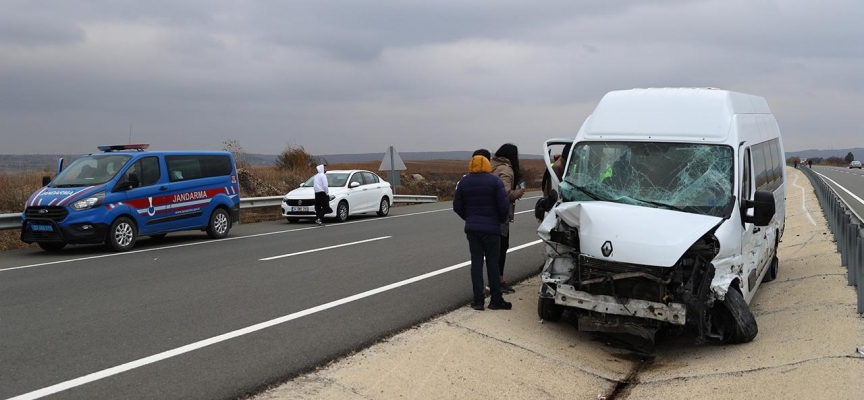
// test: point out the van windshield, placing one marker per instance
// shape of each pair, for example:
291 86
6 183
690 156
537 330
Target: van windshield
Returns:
694 178
91 170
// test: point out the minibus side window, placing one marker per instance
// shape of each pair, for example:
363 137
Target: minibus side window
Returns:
770 164
147 170
778 166
759 166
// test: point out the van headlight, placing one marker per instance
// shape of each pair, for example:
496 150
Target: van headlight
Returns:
89 202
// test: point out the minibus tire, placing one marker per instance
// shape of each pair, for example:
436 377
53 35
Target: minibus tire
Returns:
735 319
52 246
384 208
127 232
772 270
219 224
548 310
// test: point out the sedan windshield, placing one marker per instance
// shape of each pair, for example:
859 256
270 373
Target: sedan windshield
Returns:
91 170
686 177
335 179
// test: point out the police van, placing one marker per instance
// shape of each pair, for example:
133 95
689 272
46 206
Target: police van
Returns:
668 216
124 192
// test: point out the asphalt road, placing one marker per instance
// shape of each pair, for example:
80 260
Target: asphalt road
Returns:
187 317
847 183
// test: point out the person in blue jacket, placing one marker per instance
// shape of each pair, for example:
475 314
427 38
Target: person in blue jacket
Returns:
481 201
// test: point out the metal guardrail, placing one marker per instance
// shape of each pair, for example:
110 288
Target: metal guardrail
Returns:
13 221
846 226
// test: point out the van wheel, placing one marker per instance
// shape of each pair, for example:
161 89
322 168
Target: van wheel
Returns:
292 220
52 246
121 235
733 319
219 224
342 211
548 310
384 208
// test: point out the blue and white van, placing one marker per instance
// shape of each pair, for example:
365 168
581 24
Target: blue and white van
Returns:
124 192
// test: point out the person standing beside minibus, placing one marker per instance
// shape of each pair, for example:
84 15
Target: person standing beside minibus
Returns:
481 201
505 165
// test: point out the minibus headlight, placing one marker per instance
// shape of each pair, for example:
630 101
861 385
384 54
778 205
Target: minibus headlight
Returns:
89 202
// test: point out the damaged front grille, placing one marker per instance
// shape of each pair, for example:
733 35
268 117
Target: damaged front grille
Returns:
621 280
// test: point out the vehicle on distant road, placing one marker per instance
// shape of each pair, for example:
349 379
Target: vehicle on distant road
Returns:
855 164
114 196
352 192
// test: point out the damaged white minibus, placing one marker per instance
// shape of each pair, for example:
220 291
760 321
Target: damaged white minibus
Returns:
668 216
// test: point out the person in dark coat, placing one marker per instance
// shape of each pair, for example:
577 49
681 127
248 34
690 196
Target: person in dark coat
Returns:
481 201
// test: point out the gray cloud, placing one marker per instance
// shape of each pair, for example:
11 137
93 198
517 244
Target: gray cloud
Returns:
339 77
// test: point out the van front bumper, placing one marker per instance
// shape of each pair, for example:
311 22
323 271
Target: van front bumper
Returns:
35 231
673 313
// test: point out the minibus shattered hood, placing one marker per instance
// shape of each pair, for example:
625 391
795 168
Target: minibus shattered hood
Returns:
627 233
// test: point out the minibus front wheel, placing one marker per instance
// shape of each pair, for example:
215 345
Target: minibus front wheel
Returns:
219 224
122 234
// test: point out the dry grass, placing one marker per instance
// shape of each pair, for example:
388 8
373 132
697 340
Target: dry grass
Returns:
439 178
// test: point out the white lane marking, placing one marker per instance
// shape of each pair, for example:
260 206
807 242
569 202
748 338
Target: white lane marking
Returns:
211 241
845 190
324 248
240 332
803 202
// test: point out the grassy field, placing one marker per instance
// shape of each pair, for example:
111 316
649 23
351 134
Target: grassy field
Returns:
430 177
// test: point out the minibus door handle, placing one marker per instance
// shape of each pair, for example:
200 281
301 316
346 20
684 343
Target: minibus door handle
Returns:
163 187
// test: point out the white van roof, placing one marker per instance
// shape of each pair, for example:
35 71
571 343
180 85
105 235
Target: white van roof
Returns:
679 114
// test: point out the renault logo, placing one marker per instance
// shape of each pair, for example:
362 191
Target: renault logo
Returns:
606 249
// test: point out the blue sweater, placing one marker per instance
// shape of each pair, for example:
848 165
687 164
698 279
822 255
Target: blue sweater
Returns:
482 202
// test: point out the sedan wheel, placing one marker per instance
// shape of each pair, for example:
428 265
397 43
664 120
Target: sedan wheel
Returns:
384 209
342 211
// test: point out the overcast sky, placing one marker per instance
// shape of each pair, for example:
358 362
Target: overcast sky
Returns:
356 76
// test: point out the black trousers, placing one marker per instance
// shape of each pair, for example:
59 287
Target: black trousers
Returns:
502 255
322 200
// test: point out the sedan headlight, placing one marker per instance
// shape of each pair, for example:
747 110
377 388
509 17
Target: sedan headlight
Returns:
89 202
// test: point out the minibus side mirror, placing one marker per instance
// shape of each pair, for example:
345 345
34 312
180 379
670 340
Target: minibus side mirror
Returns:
46 180
763 208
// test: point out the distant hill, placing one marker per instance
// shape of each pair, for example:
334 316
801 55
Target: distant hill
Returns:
858 152
48 162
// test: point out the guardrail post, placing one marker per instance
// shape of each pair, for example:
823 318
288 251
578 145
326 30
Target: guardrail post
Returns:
859 274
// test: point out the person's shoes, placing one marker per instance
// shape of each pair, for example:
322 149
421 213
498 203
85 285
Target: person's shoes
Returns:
477 306
500 305
318 221
505 288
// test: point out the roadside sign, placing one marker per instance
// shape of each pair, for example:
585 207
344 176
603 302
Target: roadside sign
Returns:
392 163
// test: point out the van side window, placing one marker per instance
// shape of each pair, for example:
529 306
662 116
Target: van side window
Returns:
759 166
778 165
146 169
745 176
185 167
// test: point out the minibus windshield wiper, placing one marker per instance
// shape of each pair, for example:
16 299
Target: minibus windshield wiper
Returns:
664 205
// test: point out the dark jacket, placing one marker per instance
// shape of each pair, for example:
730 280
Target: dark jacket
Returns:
480 199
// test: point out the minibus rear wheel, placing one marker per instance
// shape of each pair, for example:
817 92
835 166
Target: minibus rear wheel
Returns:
219 224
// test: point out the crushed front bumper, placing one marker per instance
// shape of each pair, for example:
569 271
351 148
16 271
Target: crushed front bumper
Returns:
568 296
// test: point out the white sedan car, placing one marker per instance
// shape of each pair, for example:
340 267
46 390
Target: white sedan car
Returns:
352 192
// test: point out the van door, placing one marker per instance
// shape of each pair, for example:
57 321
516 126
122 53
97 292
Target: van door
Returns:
148 197
754 175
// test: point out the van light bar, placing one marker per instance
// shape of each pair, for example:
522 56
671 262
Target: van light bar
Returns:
117 147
